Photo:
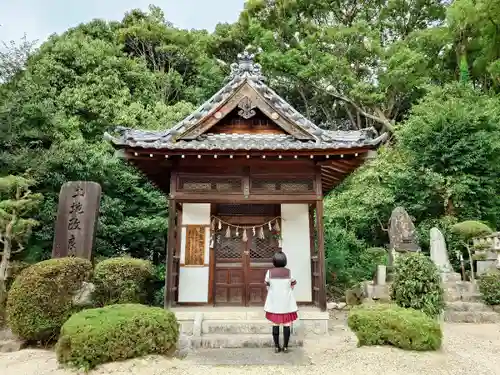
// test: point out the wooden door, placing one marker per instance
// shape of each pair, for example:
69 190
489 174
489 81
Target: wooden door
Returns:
259 260
229 275
240 268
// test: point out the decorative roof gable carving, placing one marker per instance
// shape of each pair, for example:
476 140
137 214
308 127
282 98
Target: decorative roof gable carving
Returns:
245 87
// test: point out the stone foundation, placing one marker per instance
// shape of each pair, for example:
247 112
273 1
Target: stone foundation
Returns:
233 327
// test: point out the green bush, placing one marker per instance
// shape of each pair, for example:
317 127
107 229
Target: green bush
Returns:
384 324
417 284
489 287
40 299
116 332
123 280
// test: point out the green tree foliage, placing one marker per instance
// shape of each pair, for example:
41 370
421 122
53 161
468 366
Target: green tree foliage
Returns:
470 229
443 168
53 116
465 232
347 64
17 205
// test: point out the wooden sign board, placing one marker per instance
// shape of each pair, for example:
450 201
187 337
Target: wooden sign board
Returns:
195 245
76 219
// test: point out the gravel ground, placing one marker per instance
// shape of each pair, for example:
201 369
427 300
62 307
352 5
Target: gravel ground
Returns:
468 349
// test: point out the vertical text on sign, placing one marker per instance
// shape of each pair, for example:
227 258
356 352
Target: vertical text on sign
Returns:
74 218
195 245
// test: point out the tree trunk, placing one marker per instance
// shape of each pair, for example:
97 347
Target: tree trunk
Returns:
4 263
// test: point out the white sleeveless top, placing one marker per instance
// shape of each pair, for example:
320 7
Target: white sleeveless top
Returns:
280 298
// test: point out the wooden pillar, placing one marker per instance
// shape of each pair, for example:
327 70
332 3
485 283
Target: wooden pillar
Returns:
312 244
171 244
321 254
320 239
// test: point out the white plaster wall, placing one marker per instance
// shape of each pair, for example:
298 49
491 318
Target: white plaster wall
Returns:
297 247
193 281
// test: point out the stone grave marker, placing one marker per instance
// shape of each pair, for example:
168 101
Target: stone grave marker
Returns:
402 235
76 219
439 255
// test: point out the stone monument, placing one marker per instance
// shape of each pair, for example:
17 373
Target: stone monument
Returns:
439 255
76 219
402 235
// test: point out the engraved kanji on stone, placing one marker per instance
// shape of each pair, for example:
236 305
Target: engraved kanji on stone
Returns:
77 216
79 192
74 224
76 208
71 243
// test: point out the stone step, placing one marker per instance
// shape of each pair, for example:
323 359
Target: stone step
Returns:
471 317
461 291
242 314
462 297
467 306
212 341
236 327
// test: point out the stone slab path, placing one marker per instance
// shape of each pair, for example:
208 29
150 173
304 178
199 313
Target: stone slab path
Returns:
249 357
468 349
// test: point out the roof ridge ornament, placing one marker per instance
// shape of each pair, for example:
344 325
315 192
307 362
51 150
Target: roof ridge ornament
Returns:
246 67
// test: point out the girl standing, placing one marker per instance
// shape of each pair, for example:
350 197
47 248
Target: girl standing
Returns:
280 307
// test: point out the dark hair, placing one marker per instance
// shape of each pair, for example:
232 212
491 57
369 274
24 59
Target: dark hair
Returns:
279 259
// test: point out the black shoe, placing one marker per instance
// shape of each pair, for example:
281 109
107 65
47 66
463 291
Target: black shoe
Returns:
277 349
285 350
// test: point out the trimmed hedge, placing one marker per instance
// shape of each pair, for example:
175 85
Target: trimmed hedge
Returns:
417 284
40 299
385 324
116 332
489 287
123 280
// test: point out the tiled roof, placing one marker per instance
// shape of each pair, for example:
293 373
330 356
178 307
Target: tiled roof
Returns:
245 71
330 140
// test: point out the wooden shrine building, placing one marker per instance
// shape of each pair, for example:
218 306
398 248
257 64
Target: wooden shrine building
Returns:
245 175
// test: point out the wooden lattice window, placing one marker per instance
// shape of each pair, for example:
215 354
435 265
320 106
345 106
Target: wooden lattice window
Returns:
195 245
287 186
209 185
227 247
264 248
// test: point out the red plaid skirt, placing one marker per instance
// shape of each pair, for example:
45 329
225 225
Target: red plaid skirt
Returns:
281 318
